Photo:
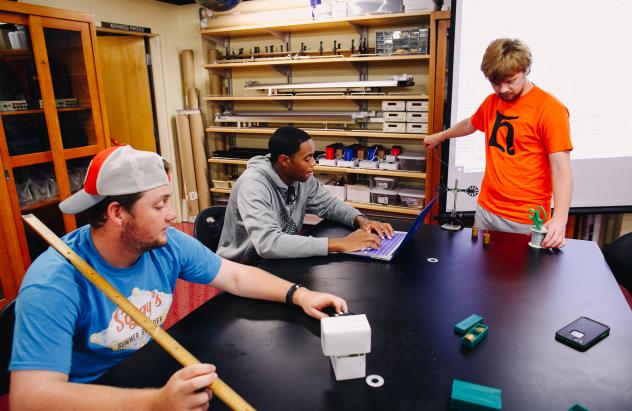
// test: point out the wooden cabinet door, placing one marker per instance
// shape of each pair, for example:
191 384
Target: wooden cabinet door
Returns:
48 139
64 57
123 67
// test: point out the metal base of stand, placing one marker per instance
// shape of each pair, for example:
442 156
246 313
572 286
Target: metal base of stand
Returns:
451 226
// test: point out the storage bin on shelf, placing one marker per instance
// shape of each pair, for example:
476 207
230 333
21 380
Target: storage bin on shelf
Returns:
339 192
358 193
412 161
383 196
387 183
221 183
412 197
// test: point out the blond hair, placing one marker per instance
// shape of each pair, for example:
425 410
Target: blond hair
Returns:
504 58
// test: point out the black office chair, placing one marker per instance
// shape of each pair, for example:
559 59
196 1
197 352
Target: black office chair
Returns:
208 226
619 258
7 320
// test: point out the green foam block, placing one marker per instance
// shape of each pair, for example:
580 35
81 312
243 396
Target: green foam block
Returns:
473 397
578 407
461 328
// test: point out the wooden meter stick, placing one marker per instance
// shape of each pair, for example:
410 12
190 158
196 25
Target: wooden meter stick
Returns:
177 351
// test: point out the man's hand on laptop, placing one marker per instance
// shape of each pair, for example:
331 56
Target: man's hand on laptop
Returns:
356 241
384 230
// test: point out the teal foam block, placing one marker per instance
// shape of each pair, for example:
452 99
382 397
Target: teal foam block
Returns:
463 327
473 397
578 407
474 336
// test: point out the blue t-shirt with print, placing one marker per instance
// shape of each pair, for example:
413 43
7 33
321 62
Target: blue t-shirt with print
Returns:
65 324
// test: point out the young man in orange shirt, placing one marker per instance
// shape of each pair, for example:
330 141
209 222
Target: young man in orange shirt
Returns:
527 150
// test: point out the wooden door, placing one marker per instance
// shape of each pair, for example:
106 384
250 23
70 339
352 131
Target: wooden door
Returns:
123 67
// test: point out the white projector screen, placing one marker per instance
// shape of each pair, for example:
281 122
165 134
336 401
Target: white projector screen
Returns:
581 54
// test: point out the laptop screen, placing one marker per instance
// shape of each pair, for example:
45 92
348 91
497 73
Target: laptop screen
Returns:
419 221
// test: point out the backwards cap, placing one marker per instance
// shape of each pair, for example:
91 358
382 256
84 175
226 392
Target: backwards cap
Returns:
116 171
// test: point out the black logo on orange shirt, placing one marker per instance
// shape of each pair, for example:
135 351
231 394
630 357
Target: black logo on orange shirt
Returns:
501 121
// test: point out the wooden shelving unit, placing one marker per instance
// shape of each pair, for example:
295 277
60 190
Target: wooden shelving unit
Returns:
47 156
311 25
220 190
363 206
34 206
332 169
315 61
387 173
41 110
322 97
16 54
314 132
22 112
82 108
422 65
233 161
388 209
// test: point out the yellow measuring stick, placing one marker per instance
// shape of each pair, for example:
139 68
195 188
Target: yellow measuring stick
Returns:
177 351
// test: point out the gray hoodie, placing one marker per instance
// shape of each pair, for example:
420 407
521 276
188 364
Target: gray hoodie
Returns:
263 221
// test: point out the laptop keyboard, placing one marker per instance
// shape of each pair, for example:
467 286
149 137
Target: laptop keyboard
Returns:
387 246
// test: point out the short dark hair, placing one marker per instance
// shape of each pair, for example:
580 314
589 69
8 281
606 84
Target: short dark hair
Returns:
96 214
286 140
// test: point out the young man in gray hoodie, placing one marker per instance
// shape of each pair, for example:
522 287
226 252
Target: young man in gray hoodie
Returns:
268 203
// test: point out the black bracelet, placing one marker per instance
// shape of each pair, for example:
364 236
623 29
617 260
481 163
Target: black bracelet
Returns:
290 293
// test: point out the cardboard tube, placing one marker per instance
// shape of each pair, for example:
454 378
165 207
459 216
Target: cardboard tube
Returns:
192 99
216 90
188 74
219 140
186 163
213 56
216 85
199 158
216 79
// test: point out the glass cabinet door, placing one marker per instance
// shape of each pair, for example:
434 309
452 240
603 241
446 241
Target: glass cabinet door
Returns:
38 194
50 118
21 109
51 125
25 149
70 86
68 80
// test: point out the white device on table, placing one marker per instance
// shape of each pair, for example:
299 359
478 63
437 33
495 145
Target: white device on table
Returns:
346 340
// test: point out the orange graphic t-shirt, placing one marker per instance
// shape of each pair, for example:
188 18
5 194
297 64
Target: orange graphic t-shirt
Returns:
519 136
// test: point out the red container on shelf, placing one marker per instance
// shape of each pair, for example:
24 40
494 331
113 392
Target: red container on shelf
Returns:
329 153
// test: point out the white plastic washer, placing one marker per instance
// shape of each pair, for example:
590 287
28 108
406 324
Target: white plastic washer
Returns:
375 380
432 260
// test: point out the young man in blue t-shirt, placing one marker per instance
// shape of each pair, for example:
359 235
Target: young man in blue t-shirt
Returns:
67 332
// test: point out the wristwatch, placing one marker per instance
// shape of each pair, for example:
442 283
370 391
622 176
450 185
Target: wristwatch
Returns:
290 293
